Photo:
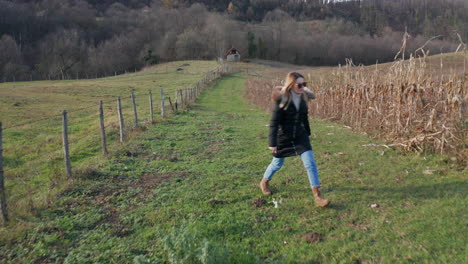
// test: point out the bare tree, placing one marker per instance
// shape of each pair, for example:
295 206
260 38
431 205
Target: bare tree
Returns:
10 51
59 53
280 22
190 45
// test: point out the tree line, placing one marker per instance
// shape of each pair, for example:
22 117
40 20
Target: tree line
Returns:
63 39
421 17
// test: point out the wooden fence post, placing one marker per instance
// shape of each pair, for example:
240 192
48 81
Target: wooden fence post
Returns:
162 102
102 128
134 110
121 120
3 204
176 100
182 96
181 99
151 107
66 150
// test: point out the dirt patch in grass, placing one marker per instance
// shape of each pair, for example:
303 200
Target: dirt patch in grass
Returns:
215 202
113 218
148 181
171 158
215 147
105 199
211 128
312 237
287 181
258 202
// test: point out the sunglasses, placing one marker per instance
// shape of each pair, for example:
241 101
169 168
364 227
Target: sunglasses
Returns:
301 85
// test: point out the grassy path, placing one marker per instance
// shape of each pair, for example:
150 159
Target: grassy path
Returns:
184 193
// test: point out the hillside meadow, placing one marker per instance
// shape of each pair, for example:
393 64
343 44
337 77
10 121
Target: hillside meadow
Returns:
31 114
186 191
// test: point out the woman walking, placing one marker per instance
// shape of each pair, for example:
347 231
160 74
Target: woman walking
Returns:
290 131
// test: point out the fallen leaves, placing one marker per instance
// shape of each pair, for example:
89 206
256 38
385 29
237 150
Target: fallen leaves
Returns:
258 202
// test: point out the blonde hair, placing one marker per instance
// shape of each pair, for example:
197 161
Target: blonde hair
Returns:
289 83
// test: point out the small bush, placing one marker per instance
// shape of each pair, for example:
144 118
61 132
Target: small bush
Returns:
184 245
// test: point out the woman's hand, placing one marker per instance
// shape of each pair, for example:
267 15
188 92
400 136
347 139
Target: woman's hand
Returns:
273 149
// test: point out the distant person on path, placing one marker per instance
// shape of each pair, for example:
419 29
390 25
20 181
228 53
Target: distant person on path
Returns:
290 131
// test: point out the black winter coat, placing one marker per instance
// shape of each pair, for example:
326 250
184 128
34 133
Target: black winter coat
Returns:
289 130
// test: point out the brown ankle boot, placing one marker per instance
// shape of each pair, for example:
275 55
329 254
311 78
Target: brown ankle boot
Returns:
318 198
264 186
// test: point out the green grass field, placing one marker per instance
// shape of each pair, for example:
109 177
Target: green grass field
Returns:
184 192
31 117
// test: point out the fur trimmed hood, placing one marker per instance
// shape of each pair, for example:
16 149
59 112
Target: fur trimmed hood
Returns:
285 100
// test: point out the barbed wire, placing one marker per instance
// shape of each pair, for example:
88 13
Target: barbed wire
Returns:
31 122
73 138
46 147
75 110
207 78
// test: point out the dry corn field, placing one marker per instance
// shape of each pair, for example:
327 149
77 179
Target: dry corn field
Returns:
405 103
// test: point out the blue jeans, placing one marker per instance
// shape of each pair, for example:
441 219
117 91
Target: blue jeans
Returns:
309 164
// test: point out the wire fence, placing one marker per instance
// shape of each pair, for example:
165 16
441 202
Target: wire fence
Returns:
38 153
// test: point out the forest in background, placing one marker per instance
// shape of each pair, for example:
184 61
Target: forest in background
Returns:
67 39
